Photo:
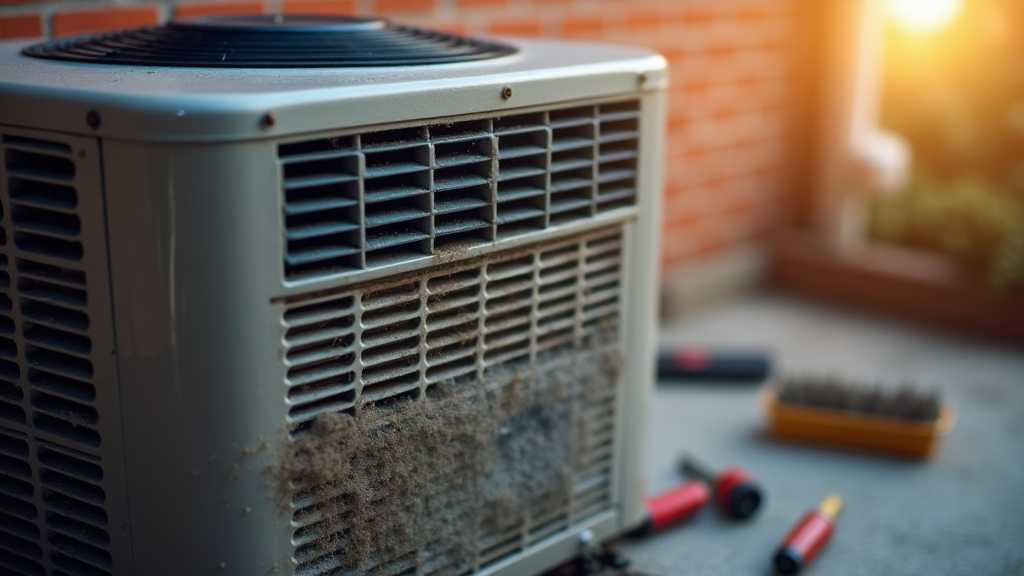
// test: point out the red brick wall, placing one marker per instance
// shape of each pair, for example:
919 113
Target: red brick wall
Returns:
731 70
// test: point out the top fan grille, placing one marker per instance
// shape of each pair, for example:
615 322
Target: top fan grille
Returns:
271 42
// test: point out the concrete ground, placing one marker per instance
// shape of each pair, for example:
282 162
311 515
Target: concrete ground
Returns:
961 512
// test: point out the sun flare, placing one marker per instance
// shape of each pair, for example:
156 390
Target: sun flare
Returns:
923 15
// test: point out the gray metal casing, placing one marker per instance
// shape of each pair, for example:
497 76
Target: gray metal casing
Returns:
190 190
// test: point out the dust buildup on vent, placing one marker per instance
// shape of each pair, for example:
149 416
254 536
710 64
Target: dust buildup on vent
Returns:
531 464
431 478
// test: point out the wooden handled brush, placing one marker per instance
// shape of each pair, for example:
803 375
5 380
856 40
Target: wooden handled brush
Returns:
901 420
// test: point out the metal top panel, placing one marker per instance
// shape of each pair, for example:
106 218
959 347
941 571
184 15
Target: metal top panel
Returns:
206 105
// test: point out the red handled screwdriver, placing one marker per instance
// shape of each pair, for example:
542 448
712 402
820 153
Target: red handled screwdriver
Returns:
737 493
673 506
808 537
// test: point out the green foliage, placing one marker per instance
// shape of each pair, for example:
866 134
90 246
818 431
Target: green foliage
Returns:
957 96
971 221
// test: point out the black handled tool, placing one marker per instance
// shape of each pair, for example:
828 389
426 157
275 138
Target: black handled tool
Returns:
703 364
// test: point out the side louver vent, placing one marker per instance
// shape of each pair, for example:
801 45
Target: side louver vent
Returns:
359 201
51 445
503 366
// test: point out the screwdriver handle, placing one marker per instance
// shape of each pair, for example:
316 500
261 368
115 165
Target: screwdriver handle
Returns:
737 494
808 537
701 363
674 506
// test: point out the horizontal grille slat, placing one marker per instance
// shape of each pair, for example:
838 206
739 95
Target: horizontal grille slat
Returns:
567 164
80 550
334 330
19 564
287 158
64 364
390 367
618 137
456 301
457 225
14 487
13 444
382 198
560 183
437 341
585 119
381 240
459 204
459 160
17 526
308 374
458 318
608 114
53 316
319 229
395 215
12 412
617 156
317 313
395 193
57 339
75 509
394 169
47 176
517 172
35 145
564 144
10 390
342 392
72 487
18 507
320 253
393 350
510 151
70 465
322 353
511 193
49 292
318 205
48 246
615 175
78 530
318 180
58 198
561 205
25 548
46 222
402 294
75 413
69 566
15 467
616 195
62 277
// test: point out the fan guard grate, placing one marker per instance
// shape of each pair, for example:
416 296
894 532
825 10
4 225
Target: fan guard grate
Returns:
271 41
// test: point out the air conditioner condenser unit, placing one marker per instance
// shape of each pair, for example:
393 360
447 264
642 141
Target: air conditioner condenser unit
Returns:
322 296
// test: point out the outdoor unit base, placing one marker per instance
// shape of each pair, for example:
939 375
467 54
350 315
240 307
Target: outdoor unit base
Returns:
325 321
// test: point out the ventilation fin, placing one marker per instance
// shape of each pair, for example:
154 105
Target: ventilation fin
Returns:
271 42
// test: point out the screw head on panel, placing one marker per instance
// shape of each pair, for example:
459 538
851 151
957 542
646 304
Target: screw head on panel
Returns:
506 92
93 119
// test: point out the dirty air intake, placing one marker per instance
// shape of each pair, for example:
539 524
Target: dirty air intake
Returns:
322 297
